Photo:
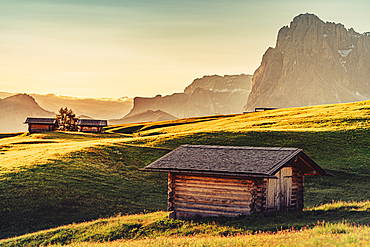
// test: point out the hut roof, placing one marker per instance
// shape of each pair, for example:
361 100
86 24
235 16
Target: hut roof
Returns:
40 121
234 161
92 122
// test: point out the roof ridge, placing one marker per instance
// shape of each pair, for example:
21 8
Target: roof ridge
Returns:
239 147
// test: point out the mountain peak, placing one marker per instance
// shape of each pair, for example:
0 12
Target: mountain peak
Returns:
15 109
21 98
313 62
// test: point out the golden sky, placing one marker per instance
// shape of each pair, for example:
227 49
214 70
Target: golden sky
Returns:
115 48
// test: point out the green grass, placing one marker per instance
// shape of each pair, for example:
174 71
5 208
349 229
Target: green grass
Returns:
88 184
140 127
52 179
156 226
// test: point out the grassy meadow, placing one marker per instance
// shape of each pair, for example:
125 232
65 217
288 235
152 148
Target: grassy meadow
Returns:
53 179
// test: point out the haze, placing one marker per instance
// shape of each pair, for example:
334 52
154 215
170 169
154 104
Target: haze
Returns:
141 48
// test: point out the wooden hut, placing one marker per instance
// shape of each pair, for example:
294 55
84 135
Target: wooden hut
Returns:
259 109
230 181
91 125
36 125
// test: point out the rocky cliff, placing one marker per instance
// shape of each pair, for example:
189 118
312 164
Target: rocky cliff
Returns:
14 111
208 95
313 62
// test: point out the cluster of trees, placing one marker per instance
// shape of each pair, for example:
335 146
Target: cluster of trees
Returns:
66 120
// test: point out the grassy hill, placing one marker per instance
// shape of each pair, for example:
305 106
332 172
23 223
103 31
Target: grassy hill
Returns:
53 179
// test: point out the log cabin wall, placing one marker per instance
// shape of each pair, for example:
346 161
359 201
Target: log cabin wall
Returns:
91 129
206 195
261 194
35 128
297 189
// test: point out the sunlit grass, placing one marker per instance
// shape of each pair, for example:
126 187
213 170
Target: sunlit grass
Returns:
317 118
26 150
327 235
56 178
342 205
155 229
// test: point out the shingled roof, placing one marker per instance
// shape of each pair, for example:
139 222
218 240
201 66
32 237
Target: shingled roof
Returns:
40 121
235 161
92 122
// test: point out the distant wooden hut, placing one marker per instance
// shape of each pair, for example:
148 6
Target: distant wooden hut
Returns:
91 125
37 125
263 109
229 181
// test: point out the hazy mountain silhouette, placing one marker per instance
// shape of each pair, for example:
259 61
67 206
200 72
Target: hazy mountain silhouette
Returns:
14 111
94 108
147 116
208 95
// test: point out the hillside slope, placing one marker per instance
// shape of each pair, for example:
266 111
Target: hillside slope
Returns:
52 179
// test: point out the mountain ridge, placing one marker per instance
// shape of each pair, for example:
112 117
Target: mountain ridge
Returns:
209 95
147 116
313 62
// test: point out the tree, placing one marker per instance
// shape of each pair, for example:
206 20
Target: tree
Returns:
66 120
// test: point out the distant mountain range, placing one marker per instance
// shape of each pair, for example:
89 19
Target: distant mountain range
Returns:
87 107
313 62
209 95
147 116
93 108
14 111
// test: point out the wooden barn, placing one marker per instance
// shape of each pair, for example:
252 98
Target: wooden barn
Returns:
36 125
91 125
230 181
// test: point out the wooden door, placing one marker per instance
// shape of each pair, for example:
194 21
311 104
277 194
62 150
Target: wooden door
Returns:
279 191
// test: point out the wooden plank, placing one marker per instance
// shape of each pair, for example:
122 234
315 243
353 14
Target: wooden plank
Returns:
210 186
287 180
212 200
199 181
214 184
210 212
222 208
213 178
214 191
271 202
246 197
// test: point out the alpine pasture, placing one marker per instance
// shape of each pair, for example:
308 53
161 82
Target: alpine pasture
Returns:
85 189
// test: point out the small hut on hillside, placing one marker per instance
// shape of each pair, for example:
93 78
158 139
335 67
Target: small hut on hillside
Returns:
37 125
91 125
229 181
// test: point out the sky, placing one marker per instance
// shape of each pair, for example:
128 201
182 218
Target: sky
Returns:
115 48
